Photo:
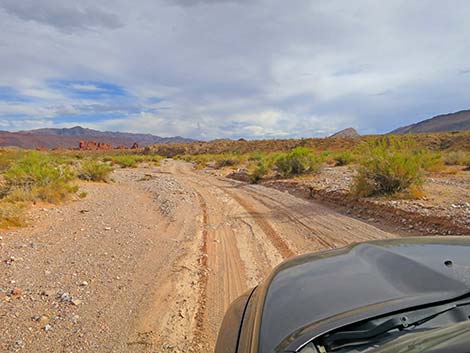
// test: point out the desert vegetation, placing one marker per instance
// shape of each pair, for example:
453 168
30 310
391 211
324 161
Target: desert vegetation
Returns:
384 165
28 177
444 141
391 165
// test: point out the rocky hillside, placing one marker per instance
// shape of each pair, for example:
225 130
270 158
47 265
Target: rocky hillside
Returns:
346 133
448 122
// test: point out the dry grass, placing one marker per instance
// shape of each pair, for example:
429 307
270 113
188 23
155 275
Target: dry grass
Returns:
11 215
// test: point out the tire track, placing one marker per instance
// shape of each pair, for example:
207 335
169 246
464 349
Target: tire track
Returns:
275 239
203 276
295 220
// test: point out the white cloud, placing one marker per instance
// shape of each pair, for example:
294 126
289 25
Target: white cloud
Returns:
86 87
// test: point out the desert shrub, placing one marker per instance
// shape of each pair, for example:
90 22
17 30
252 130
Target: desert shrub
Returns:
431 161
227 160
259 168
215 160
152 158
343 158
11 215
91 170
390 165
200 160
126 160
7 158
457 158
256 156
299 161
37 176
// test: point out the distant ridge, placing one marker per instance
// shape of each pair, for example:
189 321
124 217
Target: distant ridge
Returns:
346 133
70 137
447 122
78 131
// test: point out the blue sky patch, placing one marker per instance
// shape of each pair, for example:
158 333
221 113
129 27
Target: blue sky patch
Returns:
93 90
9 94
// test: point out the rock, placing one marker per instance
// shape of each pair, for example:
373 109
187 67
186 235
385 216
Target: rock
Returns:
346 133
75 319
107 228
43 320
48 328
76 302
240 175
65 297
16 292
84 284
93 146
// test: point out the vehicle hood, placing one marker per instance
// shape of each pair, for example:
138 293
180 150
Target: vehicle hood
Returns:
313 294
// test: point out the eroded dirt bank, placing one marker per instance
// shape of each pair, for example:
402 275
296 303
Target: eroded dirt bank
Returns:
151 262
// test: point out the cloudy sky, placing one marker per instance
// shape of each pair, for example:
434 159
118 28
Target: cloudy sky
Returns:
232 68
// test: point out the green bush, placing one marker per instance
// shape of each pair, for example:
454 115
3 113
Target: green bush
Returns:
299 161
126 160
7 157
343 158
37 176
259 168
91 170
227 160
256 156
390 165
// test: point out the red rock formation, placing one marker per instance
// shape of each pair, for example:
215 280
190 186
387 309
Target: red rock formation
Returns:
135 146
41 149
93 146
122 147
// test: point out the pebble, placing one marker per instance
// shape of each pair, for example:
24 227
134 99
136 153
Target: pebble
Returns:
43 320
16 292
65 297
76 302
48 328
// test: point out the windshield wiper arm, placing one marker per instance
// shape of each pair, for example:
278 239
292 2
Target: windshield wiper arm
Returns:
338 339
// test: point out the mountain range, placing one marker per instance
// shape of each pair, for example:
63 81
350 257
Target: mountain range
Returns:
70 137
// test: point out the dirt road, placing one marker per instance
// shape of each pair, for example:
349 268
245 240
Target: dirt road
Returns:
151 262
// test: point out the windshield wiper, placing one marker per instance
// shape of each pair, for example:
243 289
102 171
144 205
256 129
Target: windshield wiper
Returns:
341 339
